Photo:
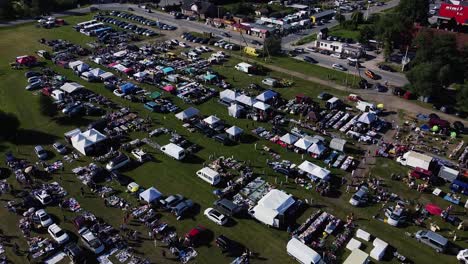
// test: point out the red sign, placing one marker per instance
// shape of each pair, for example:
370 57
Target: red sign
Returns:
458 12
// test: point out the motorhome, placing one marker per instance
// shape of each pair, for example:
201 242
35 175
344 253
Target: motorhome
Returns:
209 175
174 151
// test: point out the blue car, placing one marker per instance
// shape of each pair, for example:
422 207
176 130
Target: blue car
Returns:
152 106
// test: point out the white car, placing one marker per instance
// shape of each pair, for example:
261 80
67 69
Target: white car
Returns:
337 66
140 155
336 55
44 218
58 234
216 216
91 241
183 45
43 197
60 148
118 93
462 256
205 48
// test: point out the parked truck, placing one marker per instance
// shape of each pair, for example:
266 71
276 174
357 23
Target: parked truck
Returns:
415 159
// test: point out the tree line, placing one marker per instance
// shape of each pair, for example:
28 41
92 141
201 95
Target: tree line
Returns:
14 9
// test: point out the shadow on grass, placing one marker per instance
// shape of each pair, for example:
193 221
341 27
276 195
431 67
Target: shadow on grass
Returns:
67 121
193 159
33 137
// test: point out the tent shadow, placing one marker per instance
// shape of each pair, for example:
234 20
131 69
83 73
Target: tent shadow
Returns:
33 137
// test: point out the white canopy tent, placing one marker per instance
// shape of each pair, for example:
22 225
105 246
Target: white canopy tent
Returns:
289 139
187 113
313 170
246 100
317 149
303 143
228 95
302 252
150 194
357 256
235 131
142 74
212 120
235 110
261 106
274 203
82 67
367 118
85 141
106 76
97 72
71 87
120 54
338 144
74 64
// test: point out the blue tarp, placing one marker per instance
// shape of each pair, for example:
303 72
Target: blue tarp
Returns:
425 127
127 87
209 77
168 70
267 95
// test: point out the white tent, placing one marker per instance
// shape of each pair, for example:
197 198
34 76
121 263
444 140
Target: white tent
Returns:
82 67
88 75
212 120
357 256
140 74
228 95
261 105
337 144
367 118
313 170
244 99
235 110
74 64
187 113
150 194
274 203
85 141
71 87
235 131
97 72
317 149
289 139
303 143
379 249
302 252
106 75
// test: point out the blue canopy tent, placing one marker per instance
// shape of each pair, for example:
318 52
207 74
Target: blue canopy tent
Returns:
266 96
210 77
168 70
127 88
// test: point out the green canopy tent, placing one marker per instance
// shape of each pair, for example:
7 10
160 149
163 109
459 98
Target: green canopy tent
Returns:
155 95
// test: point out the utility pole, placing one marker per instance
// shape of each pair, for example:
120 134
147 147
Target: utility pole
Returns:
405 59
367 11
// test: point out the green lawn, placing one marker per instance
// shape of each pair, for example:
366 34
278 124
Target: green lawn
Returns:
170 176
337 31
308 39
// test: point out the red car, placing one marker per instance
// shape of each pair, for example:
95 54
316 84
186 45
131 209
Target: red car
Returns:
419 173
192 238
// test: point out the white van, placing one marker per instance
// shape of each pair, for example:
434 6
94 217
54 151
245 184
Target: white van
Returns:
367 107
174 151
210 176
333 103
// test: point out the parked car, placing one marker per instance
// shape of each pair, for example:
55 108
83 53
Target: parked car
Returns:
384 67
309 59
370 74
60 148
215 216
43 217
43 197
91 241
118 162
171 201
432 239
58 234
462 256
41 153
75 253
360 197
182 208
35 85
324 96
336 55
337 66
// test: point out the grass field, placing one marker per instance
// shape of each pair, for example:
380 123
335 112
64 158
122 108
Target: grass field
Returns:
170 176
307 39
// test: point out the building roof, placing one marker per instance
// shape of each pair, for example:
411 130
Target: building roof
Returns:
71 87
458 12
202 6
83 140
314 170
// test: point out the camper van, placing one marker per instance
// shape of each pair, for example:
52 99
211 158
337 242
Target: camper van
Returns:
333 103
210 176
118 162
270 82
360 197
174 151
244 67
251 51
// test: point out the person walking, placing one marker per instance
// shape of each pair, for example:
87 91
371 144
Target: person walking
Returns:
163 253
82 191
155 242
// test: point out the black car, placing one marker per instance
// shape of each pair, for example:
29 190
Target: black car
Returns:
386 68
309 59
224 34
222 138
75 253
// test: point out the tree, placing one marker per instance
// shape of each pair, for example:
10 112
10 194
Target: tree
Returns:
424 79
366 33
341 19
357 18
47 106
272 45
414 10
462 97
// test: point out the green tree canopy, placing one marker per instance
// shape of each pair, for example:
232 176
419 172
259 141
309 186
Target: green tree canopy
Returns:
414 10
